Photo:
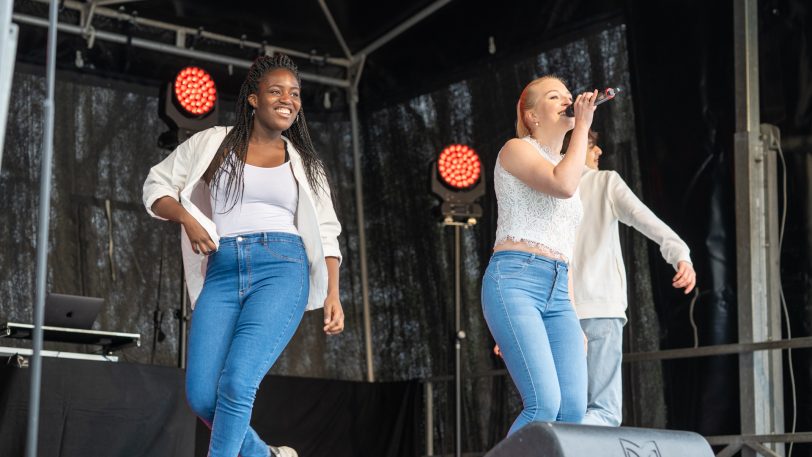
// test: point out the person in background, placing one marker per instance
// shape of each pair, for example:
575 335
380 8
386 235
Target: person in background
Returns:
599 278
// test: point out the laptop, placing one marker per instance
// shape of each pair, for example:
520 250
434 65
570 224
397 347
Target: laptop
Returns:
71 311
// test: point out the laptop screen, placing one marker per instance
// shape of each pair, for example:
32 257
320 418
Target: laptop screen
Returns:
71 311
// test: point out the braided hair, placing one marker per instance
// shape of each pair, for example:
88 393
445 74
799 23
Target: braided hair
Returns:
229 163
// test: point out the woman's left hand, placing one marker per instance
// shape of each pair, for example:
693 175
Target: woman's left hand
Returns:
333 315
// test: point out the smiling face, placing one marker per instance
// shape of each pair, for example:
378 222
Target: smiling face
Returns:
545 106
277 101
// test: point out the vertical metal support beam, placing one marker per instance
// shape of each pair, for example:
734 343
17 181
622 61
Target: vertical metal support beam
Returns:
429 395
458 337
760 375
352 95
774 359
42 234
8 50
183 319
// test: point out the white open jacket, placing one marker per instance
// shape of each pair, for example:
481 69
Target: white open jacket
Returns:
599 275
180 176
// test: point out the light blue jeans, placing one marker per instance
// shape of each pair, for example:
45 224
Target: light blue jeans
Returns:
529 313
605 354
253 299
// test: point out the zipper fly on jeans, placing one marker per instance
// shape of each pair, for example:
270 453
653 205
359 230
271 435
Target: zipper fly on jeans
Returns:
244 264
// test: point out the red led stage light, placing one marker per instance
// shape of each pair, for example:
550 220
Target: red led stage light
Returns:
195 91
459 166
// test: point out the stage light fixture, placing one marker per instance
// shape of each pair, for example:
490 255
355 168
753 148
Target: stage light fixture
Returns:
188 105
458 178
195 91
459 166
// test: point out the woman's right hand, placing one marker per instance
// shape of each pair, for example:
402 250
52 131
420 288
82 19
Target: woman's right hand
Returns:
584 108
198 236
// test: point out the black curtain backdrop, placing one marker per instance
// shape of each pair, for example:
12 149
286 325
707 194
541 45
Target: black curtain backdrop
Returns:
411 266
106 141
688 173
320 417
93 408
102 242
688 177
105 144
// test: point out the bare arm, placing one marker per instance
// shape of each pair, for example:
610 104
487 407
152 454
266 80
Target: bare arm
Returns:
521 160
169 208
333 312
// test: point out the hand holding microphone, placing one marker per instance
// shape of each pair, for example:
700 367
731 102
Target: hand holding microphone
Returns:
583 109
603 97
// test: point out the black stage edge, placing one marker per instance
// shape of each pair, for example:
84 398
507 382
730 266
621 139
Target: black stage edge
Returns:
319 417
91 408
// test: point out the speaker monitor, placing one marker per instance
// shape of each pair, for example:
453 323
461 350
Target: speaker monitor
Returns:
549 439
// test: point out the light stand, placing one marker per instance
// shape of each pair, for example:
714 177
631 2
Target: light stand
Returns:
459 332
458 179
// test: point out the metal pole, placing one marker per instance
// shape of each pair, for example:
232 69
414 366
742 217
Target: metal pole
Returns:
183 317
719 349
8 49
458 337
352 94
429 393
407 24
760 374
335 28
189 31
42 235
171 49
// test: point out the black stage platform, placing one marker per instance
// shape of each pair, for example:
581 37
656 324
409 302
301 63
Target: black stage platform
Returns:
93 409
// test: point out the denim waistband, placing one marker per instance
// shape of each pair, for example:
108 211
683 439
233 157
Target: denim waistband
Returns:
262 237
522 255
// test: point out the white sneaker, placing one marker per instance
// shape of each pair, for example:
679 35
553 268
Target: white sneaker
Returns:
283 451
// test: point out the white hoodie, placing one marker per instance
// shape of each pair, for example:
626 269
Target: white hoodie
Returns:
599 276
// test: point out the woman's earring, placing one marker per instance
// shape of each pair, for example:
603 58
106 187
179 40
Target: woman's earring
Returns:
537 124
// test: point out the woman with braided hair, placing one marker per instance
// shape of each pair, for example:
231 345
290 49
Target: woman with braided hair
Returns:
259 244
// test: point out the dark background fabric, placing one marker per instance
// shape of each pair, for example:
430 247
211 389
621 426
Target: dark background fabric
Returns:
100 155
91 408
669 136
411 272
687 174
320 417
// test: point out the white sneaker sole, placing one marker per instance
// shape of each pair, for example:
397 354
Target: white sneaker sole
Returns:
284 451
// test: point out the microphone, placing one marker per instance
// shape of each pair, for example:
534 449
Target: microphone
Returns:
605 96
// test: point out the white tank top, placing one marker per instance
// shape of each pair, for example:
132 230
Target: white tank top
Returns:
538 219
268 203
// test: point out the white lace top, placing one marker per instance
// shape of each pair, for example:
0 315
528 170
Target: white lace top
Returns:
538 219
